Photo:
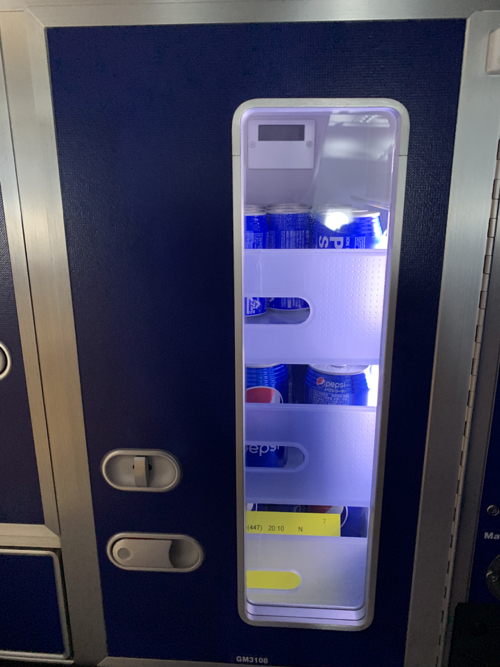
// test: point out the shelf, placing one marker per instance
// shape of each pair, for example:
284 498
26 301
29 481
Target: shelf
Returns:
332 570
338 444
345 291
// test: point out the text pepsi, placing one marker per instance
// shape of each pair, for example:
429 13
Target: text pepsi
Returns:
339 229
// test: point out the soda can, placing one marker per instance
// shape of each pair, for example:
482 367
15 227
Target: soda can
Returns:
267 384
336 385
256 233
289 228
354 522
342 228
265 455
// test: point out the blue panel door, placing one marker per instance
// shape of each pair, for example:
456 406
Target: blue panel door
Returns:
143 121
30 615
20 500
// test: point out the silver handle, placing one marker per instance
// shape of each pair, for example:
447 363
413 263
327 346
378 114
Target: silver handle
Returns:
141 471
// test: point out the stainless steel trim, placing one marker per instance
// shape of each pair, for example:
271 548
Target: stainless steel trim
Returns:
29 97
60 601
28 535
391 290
116 12
148 662
484 403
468 221
14 225
33 657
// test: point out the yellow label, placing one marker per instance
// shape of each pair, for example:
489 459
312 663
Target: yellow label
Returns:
282 581
293 523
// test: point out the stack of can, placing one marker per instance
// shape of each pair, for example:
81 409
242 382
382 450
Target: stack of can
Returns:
266 384
360 231
256 237
289 228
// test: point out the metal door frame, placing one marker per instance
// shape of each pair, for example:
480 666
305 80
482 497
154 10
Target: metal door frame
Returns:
24 50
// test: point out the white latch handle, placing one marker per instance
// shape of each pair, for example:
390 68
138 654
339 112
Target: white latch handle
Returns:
141 471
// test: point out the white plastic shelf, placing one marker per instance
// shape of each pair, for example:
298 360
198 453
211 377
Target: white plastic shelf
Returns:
332 569
338 444
345 291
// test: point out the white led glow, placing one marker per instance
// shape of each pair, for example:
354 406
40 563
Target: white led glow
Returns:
335 219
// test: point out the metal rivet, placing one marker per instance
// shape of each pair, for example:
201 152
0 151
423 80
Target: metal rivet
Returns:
493 510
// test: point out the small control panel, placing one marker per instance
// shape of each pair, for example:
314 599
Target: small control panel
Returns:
485 576
281 143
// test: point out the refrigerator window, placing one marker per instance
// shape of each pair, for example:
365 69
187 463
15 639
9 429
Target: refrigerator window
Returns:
315 202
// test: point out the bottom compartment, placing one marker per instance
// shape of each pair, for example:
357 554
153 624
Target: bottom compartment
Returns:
306 579
32 617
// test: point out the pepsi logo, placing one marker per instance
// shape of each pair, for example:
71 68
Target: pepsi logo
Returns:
320 382
263 395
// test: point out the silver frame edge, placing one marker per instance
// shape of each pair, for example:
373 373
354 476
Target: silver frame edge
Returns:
22 290
473 172
33 135
484 404
28 535
119 12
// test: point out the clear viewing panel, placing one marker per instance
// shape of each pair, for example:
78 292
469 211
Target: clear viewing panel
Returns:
315 208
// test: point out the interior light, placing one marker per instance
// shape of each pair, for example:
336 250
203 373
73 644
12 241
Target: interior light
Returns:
335 219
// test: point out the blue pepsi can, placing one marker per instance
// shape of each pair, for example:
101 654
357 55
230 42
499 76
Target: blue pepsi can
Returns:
267 384
341 228
337 385
256 233
353 520
289 228
265 455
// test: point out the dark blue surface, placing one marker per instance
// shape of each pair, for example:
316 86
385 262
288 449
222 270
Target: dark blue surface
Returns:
29 610
143 117
488 549
20 500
